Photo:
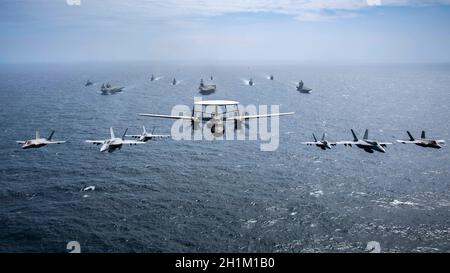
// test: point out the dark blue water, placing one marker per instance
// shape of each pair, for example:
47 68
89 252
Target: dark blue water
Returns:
205 196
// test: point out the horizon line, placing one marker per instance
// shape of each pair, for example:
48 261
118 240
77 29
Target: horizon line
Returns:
230 61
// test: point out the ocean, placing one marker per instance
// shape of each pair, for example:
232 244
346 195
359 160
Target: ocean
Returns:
224 196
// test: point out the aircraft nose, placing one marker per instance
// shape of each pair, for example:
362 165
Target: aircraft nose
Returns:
26 146
104 148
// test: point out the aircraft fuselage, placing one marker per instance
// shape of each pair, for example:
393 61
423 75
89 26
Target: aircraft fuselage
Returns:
323 145
370 146
428 143
217 126
111 145
34 143
145 138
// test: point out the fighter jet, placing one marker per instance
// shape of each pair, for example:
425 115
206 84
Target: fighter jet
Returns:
423 142
38 141
322 144
366 144
302 89
110 145
174 82
145 136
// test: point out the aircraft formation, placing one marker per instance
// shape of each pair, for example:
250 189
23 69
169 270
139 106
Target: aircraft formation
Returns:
217 128
371 146
365 143
216 123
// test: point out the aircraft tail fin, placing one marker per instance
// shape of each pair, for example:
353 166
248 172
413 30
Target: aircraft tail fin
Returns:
423 134
153 130
355 138
410 136
124 133
366 134
323 136
112 132
38 135
144 131
314 136
51 135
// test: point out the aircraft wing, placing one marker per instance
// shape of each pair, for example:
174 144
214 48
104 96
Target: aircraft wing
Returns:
161 136
56 142
165 116
407 141
345 142
133 136
132 142
20 142
260 116
309 143
95 141
383 144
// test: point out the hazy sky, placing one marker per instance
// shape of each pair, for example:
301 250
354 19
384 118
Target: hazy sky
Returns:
220 30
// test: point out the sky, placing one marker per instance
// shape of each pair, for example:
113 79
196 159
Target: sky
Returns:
380 31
